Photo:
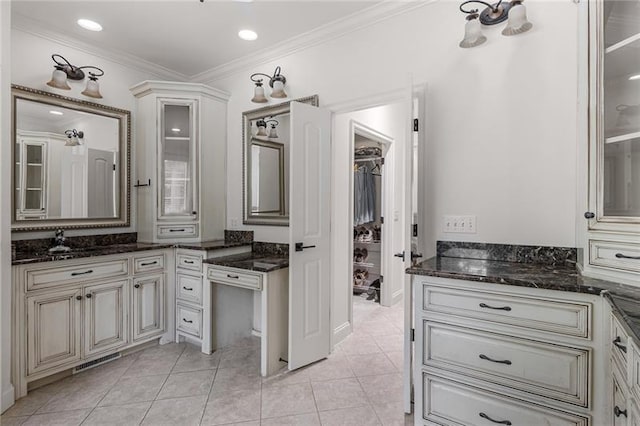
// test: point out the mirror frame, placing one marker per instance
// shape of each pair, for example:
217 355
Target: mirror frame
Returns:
280 148
124 121
247 118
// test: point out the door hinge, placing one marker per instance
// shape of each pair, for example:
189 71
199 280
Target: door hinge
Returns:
114 167
382 161
413 335
416 125
415 229
381 279
381 219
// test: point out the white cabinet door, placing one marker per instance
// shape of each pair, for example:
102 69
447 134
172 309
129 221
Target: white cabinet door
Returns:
105 317
148 307
53 329
310 263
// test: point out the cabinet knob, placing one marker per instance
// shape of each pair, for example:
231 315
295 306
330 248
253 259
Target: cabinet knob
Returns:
136 285
589 215
89 296
194 212
78 297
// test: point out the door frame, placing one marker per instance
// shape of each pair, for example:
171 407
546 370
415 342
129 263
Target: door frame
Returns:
388 144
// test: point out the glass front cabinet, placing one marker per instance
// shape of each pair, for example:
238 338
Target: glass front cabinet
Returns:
30 177
181 157
614 139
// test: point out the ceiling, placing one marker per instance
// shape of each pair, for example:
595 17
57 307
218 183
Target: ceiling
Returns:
185 36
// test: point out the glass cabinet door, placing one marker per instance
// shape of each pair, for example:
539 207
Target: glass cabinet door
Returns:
618 103
30 181
178 197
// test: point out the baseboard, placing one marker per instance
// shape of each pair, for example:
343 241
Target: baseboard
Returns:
8 398
341 332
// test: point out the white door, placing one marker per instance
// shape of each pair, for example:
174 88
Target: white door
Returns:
309 228
102 173
148 306
104 317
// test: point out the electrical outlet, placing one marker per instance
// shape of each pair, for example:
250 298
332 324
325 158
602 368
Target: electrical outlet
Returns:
234 223
459 224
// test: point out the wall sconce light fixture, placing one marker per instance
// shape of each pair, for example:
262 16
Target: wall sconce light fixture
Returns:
493 14
276 82
273 134
74 137
65 70
261 124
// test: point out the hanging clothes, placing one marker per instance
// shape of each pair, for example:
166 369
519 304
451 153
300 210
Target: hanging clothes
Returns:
364 196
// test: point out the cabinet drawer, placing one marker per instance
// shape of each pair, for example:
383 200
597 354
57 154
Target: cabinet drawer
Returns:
562 317
188 261
620 346
189 230
235 278
189 288
50 277
189 320
614 255
552 371
451 403
148 263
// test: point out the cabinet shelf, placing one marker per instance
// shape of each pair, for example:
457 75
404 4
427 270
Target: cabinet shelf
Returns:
627 41
177 138
622 138
365 265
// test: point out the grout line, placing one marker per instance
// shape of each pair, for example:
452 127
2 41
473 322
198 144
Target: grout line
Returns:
215 374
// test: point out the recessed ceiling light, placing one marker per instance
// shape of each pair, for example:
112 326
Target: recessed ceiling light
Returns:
90 25
247 35
635 77
175 129
55 112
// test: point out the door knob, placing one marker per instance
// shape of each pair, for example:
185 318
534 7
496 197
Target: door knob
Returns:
415 255
589 215
300 247
400 255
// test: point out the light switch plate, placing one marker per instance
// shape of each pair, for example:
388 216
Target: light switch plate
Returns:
459 224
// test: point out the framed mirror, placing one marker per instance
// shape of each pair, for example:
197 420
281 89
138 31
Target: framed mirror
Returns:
265 157
71 164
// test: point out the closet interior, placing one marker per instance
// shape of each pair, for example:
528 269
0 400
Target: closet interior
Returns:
368 221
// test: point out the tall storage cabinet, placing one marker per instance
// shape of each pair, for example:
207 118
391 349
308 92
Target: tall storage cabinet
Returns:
181 161
613 215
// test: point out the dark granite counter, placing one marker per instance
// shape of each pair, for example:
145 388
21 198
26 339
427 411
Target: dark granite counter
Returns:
252 262
624 299
24 258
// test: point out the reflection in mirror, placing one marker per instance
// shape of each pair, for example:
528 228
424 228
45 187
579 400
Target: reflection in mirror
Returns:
266 164
70 160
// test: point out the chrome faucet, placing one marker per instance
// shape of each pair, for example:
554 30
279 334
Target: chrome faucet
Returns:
59 240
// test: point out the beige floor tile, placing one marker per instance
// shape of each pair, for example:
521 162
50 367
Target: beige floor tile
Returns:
252 423
392 414
280 401
330 369
232 407
172 412
151 366
371 365
358 345
245 342
170 350
29 404
336 394
187 384
238 358
76 400
286 377
192 359
310 419
379 327
230 379
397 358
66 418
361 416
134 389
390 343
382 389
13 421
120 415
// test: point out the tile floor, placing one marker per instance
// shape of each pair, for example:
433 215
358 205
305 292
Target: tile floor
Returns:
175 384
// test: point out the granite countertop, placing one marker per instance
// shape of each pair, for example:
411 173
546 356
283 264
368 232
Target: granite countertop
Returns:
24 258
624 299
252 262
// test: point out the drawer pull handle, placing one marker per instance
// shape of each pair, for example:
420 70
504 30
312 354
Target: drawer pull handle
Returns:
75 274
187 288
235 277
155 262
177 230
619 345
186 320
486 358
624 256
503 308
190 262
618 412
500 422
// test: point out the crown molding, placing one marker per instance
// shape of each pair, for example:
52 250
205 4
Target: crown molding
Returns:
372 15
168 87
31 26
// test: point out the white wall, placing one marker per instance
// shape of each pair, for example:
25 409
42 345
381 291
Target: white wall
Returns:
6 389
502 117
32 67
